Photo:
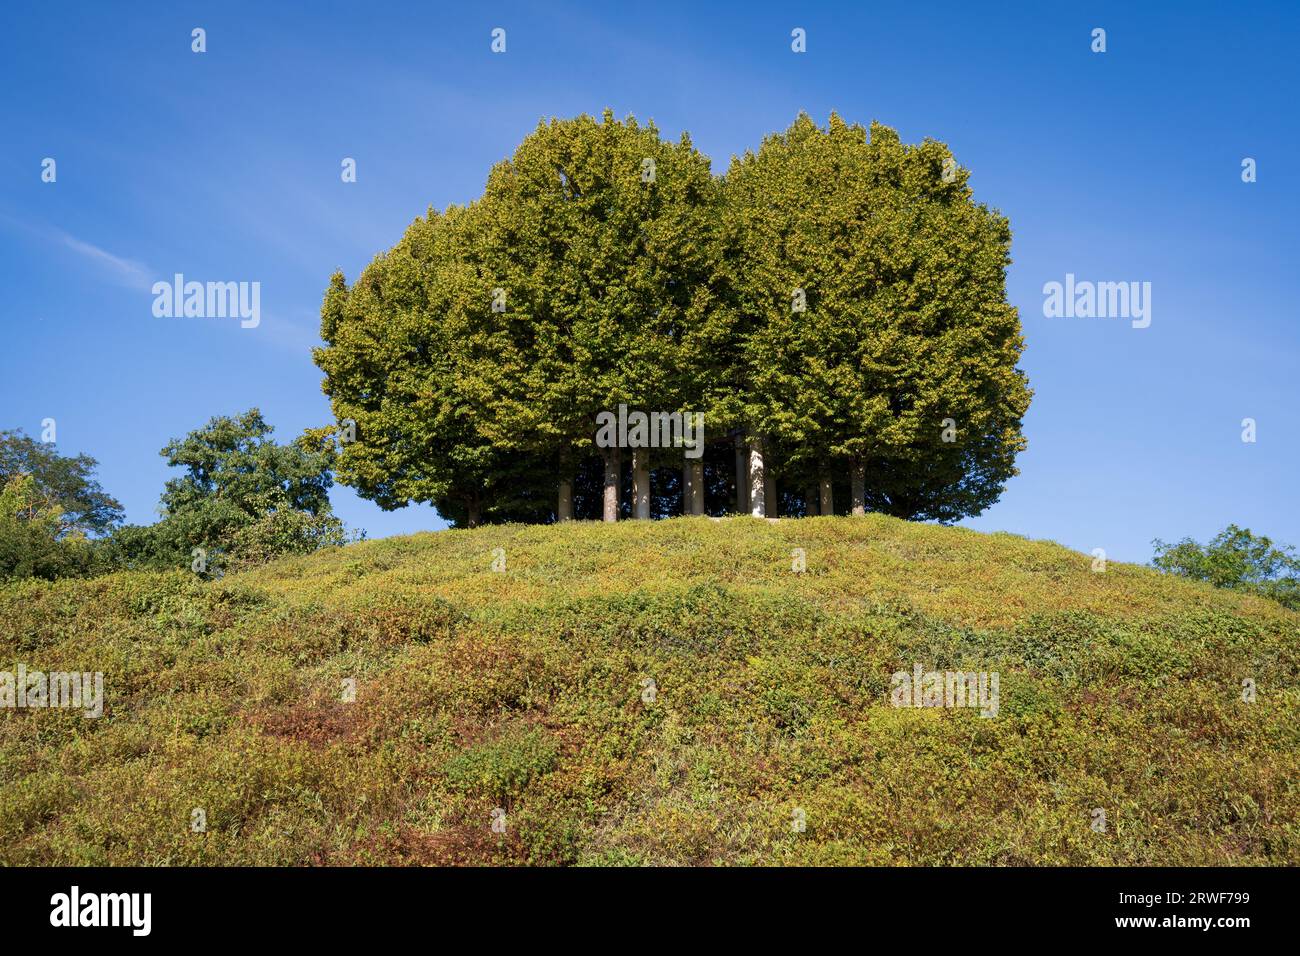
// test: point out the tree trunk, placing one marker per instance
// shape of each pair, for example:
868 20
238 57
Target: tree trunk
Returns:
828 496
693 487
757 497
742 475
641 484
810 501
686 486
613 478
474 512
859 488
769 493
564 509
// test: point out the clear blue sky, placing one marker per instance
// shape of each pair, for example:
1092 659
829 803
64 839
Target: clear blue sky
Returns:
1122 166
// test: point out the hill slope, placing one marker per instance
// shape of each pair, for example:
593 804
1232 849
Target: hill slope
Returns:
529 690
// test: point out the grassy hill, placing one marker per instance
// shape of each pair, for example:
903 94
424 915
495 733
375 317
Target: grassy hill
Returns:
528 690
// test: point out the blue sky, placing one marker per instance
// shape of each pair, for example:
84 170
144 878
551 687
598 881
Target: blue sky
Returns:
1122 166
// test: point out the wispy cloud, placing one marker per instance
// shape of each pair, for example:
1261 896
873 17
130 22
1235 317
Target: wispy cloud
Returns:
126 271
123 271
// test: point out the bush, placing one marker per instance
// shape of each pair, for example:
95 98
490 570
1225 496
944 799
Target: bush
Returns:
502 768
284 532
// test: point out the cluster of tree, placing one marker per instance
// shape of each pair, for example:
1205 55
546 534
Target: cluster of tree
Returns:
51 510
241 498
1237 560
834 306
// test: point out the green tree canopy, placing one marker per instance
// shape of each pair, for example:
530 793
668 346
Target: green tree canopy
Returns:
50 508
61 483
876 328
603 237
1237 560
240 492
605 265
34 540
397 371
474 356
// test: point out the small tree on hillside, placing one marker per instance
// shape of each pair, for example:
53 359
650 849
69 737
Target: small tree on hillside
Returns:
59 482
51 510
241 492
1237 560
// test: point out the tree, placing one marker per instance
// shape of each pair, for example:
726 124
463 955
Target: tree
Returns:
878 342
601 240
836 304
475 355
397 374
50 507
59 482
1237 560
33 539
241 493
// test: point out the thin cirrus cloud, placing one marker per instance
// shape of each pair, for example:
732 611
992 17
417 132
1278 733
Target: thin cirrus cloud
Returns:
277 330
125 272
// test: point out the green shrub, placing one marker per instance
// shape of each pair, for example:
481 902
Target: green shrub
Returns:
501 768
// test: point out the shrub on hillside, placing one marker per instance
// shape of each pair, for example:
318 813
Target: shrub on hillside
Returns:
501 768
285 531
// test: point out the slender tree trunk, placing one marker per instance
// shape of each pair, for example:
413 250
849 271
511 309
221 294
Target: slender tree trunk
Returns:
613 479
757 497
564 508
696 468
859 488
742 475
693 486
686 486
810 500
641 484
474 510
769 493
828 496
